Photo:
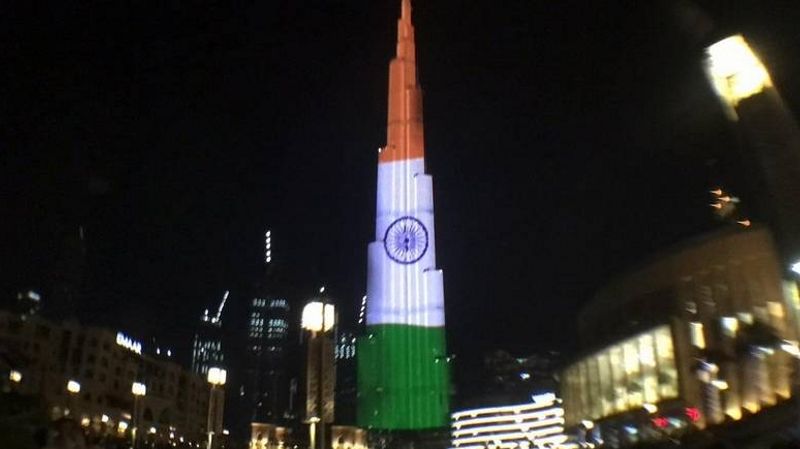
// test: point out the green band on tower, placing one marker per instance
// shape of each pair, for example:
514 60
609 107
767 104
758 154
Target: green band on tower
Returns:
404 378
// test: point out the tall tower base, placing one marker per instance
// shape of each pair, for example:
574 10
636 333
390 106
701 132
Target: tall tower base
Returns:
410 439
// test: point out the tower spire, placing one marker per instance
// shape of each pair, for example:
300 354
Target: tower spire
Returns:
404 138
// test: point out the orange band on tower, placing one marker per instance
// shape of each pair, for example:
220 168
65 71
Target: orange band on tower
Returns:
404 126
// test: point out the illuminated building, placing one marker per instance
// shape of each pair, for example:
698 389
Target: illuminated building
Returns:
207 346
697 336
346 380
538 423
269 388
99 367
770 135
267 377
268 436
348 437
403 374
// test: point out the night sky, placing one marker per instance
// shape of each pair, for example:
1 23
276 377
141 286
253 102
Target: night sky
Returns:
567 140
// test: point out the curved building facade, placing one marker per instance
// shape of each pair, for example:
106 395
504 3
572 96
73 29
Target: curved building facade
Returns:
699 335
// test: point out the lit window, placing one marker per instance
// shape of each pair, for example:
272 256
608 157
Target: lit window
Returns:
696 334
729 325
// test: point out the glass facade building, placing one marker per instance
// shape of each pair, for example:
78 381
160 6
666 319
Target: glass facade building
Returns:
700 335
624 376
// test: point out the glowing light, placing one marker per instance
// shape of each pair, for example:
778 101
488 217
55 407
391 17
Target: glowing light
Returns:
745 223
138 389
524 376
588 425
122 426
735 71
516 417
152 430
73 387
791 347
512 426
318 317
217 376
15 376
104 418
698 338
730 325
693 413
128 343
650 408
660 422
85 421
720 384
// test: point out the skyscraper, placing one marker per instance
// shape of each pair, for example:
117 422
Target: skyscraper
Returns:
403 377
207 345
268 385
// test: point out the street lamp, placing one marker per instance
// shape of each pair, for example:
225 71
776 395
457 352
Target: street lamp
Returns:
216 401
318 318
139 391
15 376
73 388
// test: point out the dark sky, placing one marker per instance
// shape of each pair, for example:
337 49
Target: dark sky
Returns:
567 140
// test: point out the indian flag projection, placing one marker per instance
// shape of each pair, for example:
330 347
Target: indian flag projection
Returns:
403 375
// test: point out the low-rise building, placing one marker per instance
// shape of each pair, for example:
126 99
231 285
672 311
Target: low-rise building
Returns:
538 423
88 372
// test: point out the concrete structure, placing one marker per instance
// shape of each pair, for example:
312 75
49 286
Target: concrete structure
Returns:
771 137
537 423
403 375
702 334
319 321
102 366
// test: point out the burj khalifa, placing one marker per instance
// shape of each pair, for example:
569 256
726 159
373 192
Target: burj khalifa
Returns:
403 374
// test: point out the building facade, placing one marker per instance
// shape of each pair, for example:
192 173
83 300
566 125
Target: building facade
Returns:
701 335
48 356
207 345
268 381
403 375
537 423
346 377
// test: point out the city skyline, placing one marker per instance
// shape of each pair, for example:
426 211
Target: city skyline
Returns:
179 217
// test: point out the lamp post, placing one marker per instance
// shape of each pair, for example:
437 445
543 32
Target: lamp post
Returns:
73 388
216 401
318 318
139 391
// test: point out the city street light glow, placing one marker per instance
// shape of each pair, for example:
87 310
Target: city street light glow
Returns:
735 71
795 267
318 316
73 387
15 376
217 376
138 389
